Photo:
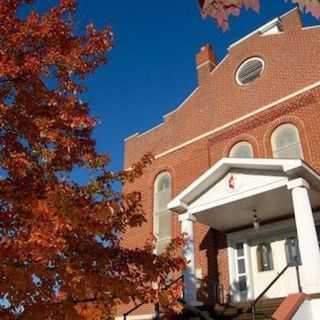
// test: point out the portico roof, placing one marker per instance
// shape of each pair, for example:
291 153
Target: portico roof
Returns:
227 194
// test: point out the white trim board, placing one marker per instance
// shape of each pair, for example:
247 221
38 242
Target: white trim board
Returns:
182 103
151 129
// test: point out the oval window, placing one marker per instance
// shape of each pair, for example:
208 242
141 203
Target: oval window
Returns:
249 70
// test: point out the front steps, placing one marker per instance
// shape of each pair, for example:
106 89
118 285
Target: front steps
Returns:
237 311
241 311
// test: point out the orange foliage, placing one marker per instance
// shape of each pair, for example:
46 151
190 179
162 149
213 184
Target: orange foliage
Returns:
221 10
52 267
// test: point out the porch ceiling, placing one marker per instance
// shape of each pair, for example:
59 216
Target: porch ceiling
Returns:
268 206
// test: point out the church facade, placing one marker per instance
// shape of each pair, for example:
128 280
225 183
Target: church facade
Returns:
236 169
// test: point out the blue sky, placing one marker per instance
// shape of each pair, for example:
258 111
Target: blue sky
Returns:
151 69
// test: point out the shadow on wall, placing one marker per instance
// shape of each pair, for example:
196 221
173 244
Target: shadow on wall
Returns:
212 289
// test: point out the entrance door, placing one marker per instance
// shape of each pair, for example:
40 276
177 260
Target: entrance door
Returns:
241 289
257 257
241 271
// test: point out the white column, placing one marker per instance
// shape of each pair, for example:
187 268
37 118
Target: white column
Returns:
190 281
307 236
247 254
232 271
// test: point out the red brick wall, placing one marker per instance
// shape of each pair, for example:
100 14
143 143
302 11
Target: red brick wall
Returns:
292 63
303 111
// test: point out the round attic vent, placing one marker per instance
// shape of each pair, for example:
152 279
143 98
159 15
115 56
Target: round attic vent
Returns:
249 70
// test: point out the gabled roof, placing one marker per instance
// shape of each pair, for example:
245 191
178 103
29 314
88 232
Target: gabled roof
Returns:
289 168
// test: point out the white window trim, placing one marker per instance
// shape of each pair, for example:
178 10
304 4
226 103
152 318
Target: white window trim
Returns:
233 268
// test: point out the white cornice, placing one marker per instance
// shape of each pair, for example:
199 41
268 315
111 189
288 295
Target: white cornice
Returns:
259 30
288 12
132 136
203 64
153 128
311 27
182 103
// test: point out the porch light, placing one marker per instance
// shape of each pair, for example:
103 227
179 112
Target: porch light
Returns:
256 222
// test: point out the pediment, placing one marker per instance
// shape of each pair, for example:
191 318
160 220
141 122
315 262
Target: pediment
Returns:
237 184
231 179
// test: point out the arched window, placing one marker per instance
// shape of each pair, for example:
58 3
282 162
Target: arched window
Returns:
285 142
264 257
292 251
162 216
242 149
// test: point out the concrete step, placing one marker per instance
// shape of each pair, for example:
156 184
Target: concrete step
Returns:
242 311
238 311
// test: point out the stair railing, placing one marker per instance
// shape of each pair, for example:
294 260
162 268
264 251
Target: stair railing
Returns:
254 303
219 294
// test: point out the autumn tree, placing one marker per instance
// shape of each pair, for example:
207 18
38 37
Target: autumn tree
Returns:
61 251
221 10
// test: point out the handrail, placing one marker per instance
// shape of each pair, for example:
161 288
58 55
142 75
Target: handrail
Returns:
131 310
253 304
125 315
173 282
220 295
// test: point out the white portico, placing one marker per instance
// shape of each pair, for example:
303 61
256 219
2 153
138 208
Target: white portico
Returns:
281 196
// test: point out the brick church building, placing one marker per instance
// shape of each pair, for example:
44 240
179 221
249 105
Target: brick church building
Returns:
236 168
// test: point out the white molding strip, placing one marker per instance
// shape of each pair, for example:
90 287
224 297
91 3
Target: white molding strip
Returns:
203 64
151 129
295 8
182 103
248 115
220 63
131 136
317 26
